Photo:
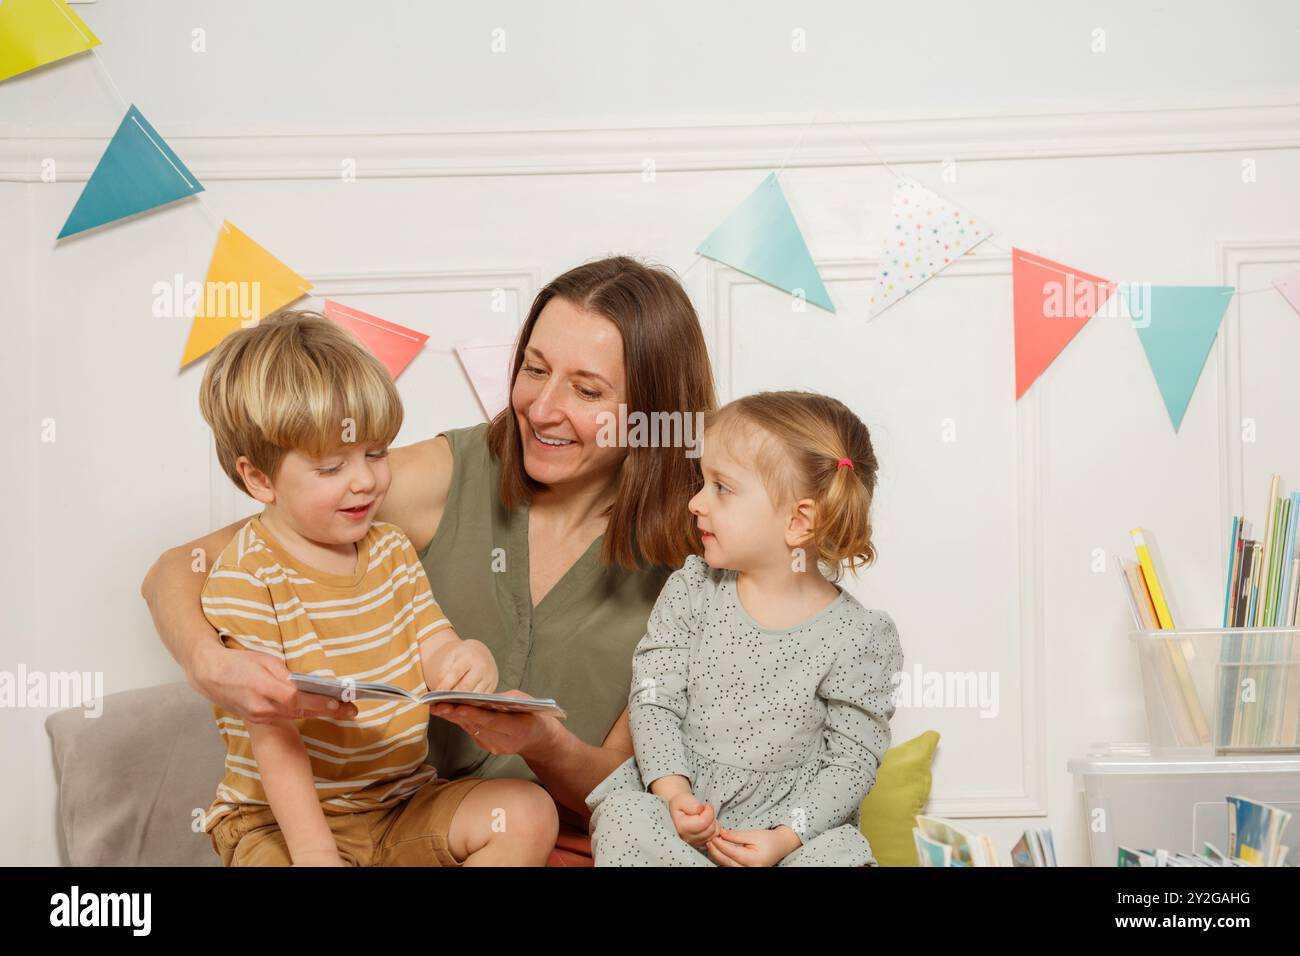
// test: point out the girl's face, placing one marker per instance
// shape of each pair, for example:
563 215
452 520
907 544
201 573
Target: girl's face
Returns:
740 528
312 497
572 372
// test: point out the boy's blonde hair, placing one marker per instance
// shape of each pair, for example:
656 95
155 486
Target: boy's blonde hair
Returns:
292 382
801 436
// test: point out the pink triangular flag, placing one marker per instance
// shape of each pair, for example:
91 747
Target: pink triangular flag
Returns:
1289 286
394 345
487 363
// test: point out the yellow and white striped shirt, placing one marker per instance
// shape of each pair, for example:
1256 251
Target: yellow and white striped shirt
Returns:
367 626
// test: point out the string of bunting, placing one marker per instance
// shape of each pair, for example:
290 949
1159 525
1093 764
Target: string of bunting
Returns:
139 172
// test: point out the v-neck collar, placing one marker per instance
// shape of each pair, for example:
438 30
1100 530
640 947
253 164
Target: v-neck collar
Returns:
563 591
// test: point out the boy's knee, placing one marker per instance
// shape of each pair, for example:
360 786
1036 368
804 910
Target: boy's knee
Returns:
528 811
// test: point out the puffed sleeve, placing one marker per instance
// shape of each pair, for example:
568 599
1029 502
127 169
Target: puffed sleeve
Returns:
657 702
859 694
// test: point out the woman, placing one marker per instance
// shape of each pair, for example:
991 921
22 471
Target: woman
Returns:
538 537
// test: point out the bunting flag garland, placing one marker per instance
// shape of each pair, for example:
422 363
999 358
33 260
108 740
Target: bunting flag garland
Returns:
1051 303
487 363
245 283
36 32
926 234
1289 286
137 172
394 345
761 239
1177 327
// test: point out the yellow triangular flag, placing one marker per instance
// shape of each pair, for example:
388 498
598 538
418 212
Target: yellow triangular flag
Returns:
36 32
245 283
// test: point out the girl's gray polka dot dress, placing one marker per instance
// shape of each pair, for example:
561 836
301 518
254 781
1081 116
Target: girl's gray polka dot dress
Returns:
771 726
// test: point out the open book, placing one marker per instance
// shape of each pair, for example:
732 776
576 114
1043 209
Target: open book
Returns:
346 689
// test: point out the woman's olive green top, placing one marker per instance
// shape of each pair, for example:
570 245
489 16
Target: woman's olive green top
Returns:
575 646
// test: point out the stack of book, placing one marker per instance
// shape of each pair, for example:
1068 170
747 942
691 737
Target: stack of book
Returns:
1254 839
943 843
1260 707
1150 606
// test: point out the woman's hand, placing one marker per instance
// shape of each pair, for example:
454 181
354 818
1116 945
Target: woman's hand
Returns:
256 687
499 731
752 847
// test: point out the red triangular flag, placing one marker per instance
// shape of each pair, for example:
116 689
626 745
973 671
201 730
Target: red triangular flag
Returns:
392 344
1052 302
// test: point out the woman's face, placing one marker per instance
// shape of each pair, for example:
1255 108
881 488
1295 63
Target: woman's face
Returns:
572 372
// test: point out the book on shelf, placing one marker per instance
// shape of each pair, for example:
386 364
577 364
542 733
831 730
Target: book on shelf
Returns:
1254 839
1260 684
941 842
1149 603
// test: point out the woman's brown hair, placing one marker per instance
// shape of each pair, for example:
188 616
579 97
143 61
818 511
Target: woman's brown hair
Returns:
801 438
668 369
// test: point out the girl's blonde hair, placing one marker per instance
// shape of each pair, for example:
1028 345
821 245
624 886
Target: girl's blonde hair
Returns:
293 382
801 437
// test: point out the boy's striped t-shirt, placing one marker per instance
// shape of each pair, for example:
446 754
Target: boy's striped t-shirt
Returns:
367 626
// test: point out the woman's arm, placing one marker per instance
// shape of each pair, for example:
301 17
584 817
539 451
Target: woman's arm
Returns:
421 479
252 685
246 683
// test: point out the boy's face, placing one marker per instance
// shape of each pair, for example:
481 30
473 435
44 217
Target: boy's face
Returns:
319 498
737 523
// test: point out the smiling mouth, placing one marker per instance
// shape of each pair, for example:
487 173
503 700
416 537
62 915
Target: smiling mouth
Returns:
553 442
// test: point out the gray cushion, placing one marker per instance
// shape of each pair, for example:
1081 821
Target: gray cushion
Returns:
131 779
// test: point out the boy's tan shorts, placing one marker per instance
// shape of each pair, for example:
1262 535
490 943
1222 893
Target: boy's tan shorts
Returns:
411 833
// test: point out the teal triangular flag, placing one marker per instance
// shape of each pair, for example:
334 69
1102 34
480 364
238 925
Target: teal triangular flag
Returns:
138 171
761 239
1177 325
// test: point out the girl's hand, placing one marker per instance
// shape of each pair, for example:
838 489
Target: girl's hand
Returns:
748 847
695 821
499 731
463 665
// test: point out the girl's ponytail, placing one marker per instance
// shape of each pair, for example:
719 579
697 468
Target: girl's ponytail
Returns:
812 435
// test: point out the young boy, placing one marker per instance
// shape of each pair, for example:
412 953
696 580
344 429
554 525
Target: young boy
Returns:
303 416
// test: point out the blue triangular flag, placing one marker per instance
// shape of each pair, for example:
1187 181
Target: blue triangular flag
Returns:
138 171
1177 325
761 239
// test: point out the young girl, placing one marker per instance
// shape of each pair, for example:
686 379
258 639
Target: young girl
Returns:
762 692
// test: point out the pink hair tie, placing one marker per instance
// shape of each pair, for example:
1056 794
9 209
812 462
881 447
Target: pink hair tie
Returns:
842 462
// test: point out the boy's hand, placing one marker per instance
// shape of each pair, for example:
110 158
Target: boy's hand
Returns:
752 847
462 665
694 820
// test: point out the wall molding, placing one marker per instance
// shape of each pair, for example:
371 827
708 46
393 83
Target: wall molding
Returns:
721 143
226 502
1234 256
1029 797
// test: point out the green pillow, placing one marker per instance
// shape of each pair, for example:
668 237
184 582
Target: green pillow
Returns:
901 790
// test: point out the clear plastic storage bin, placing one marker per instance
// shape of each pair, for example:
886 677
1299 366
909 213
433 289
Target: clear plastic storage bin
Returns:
1222 690
1146 801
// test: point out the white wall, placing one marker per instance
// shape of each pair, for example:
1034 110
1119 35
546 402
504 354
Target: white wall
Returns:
986 543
